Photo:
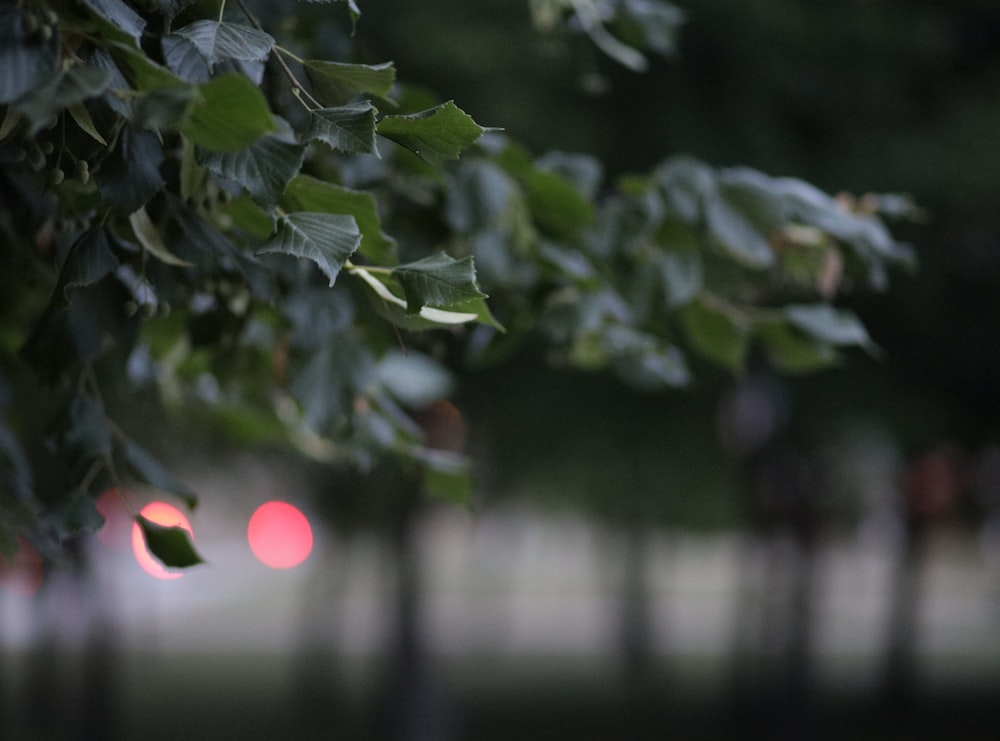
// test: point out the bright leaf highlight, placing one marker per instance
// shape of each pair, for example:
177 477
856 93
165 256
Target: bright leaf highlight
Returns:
280 535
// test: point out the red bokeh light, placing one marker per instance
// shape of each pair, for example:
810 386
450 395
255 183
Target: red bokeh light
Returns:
22 576
117 528
280 535
162 514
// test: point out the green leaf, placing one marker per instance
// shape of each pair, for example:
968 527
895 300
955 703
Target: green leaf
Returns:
165 109
264 168
89 259
79 113
28 61
130 176
435 135
683 275
306 193
119 15
329 240
11 120
428 317
739 229
556 204
641 359
349 128
228 114
170 8
149 470
327 383
171 545
205 240
149 236
147 75
827 324
447 475
73 514
791 351
81 430
478 196
62 339
74 86
337 83
439 280
220 40
352 7
248 216
650 25
184 59
720 336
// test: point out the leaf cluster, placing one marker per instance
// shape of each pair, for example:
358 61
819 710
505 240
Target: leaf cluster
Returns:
189 206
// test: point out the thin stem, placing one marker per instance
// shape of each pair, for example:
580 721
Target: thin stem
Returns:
222 9
297 89
351 267
292 55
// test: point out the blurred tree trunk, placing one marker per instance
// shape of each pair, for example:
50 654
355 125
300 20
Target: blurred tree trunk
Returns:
415 709
636 628
901 640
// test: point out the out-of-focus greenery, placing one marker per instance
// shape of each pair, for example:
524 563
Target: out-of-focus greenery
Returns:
884 96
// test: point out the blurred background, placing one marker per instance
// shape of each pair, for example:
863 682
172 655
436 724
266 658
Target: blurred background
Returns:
758 557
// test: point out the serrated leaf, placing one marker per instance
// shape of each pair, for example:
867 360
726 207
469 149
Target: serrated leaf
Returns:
218 41
307 193
81 429
329 240
428 317
827 324
204 239
89 259
171 545
170 8
61 340
130 176
184 59
149 236
117 97
228 114
119 15
73 514
149 470
264 168
337 83
27 61
73 86
439 280
348 128
435 135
